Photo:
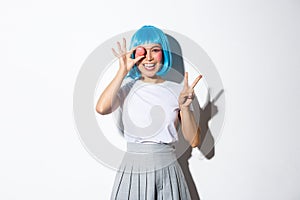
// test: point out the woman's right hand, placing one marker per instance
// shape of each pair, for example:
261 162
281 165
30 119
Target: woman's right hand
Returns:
125 61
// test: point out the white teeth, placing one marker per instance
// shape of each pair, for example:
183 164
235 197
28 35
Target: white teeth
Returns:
149 65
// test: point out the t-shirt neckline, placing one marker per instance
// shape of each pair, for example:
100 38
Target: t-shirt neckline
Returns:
149 83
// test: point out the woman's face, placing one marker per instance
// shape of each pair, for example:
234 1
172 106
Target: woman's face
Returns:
152 62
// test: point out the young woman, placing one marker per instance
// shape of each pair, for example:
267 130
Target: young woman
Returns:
151 109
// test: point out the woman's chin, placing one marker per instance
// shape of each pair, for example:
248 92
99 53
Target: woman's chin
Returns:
149 74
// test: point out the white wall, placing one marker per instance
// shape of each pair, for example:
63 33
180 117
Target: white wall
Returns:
254 45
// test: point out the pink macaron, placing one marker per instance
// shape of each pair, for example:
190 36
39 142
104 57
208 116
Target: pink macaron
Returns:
140 51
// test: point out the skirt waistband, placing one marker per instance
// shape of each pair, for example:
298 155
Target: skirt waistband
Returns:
147 157
150 148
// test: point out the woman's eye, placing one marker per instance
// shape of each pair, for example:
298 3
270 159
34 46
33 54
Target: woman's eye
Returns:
156 50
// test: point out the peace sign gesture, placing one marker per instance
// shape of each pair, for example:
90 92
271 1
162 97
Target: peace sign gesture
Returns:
125 61
187 94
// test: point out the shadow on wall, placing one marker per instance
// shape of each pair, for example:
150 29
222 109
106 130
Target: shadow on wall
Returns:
207 143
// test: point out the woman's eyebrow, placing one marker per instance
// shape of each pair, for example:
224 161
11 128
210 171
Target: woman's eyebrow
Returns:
156 46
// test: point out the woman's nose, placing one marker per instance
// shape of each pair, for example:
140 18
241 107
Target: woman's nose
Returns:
148 55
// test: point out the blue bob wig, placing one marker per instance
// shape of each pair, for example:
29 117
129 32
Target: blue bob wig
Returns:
151 35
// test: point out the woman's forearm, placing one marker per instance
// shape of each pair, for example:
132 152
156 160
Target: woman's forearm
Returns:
189 127
108 100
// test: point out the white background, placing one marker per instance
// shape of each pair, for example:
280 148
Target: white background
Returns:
254 45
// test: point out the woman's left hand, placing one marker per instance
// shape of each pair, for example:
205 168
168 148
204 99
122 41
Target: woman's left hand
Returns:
187 94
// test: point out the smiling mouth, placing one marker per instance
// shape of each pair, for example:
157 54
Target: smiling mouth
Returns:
149 66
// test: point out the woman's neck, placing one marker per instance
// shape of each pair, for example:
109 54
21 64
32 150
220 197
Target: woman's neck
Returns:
155 79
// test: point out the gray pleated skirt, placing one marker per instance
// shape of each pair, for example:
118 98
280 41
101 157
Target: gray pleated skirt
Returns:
150 172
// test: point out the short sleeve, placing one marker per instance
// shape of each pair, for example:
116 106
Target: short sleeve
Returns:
122 94
124 90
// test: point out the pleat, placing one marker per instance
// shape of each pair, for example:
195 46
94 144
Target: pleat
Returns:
143 185
179 183
159 184
117 182
150 189
134 183
139 179
124 191
174 182
167 183
183 188
123 181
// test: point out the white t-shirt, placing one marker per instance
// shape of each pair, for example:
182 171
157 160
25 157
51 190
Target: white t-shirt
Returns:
150 111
